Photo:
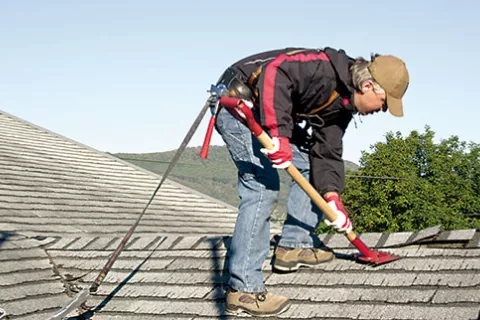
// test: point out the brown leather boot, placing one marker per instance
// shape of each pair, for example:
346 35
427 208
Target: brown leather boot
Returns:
290 259
262 304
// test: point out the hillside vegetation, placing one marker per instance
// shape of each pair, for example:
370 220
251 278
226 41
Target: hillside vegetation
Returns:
405 183
215 176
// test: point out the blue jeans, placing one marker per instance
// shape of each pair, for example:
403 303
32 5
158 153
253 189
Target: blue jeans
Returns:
258 187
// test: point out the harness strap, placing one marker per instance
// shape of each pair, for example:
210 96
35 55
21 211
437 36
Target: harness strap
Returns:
252 81
312 117
332 97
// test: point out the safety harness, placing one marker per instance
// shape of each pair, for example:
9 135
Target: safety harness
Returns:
231 84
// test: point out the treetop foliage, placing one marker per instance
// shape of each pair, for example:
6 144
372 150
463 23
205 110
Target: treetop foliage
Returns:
436 183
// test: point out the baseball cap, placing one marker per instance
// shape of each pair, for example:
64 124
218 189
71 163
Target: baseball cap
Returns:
391 74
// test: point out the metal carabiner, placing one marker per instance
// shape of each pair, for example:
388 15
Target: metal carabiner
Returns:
216 92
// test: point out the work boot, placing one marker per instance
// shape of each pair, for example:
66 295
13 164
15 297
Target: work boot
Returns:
291 259
261 304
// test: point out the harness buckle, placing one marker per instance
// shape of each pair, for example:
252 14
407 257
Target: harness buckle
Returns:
216 92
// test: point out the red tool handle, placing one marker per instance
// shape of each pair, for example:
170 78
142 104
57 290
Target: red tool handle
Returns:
230 102
238 108
208 137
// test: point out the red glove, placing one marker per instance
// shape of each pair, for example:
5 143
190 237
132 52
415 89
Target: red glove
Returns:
281 155
342 223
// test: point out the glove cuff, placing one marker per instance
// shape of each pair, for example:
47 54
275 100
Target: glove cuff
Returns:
338 202
333 198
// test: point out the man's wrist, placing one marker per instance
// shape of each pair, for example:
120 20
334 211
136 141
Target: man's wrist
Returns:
330 194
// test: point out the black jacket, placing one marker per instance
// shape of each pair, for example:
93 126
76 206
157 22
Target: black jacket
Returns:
295 82
248 65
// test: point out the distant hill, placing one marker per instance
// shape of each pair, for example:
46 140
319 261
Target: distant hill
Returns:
215 176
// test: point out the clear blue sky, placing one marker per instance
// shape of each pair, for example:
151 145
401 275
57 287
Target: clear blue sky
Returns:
131 76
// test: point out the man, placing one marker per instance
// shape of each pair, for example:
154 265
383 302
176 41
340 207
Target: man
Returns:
321 88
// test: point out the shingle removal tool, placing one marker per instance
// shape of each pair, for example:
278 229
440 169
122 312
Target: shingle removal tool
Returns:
241 110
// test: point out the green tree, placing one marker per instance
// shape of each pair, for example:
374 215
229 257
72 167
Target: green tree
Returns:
435 183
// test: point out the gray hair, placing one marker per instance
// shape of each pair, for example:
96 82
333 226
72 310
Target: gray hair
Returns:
360 74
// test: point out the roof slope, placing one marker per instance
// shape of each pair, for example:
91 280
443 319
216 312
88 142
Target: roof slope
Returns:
52 185
183 279
65 207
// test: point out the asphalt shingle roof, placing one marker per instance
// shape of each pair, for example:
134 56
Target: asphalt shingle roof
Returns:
54 185
64 208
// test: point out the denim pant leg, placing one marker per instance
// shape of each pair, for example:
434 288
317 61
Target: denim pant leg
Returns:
303 216
258 186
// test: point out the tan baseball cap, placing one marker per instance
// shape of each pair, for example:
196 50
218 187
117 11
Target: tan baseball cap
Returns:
392 75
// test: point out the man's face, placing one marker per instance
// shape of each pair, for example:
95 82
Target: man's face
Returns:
368 101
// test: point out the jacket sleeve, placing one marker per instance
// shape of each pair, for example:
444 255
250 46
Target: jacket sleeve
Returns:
327 168
282 84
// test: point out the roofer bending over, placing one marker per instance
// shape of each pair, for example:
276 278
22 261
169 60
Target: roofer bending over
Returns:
305 99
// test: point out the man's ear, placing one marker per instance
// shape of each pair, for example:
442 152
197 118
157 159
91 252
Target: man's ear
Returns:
367 85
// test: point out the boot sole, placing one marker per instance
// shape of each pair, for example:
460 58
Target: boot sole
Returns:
298 265
239 310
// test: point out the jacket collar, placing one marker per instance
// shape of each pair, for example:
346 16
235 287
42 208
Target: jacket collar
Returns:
341 64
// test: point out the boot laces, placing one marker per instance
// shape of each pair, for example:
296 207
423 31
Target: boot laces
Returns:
261 296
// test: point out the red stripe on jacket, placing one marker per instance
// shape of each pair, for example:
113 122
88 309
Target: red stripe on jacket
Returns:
269 84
